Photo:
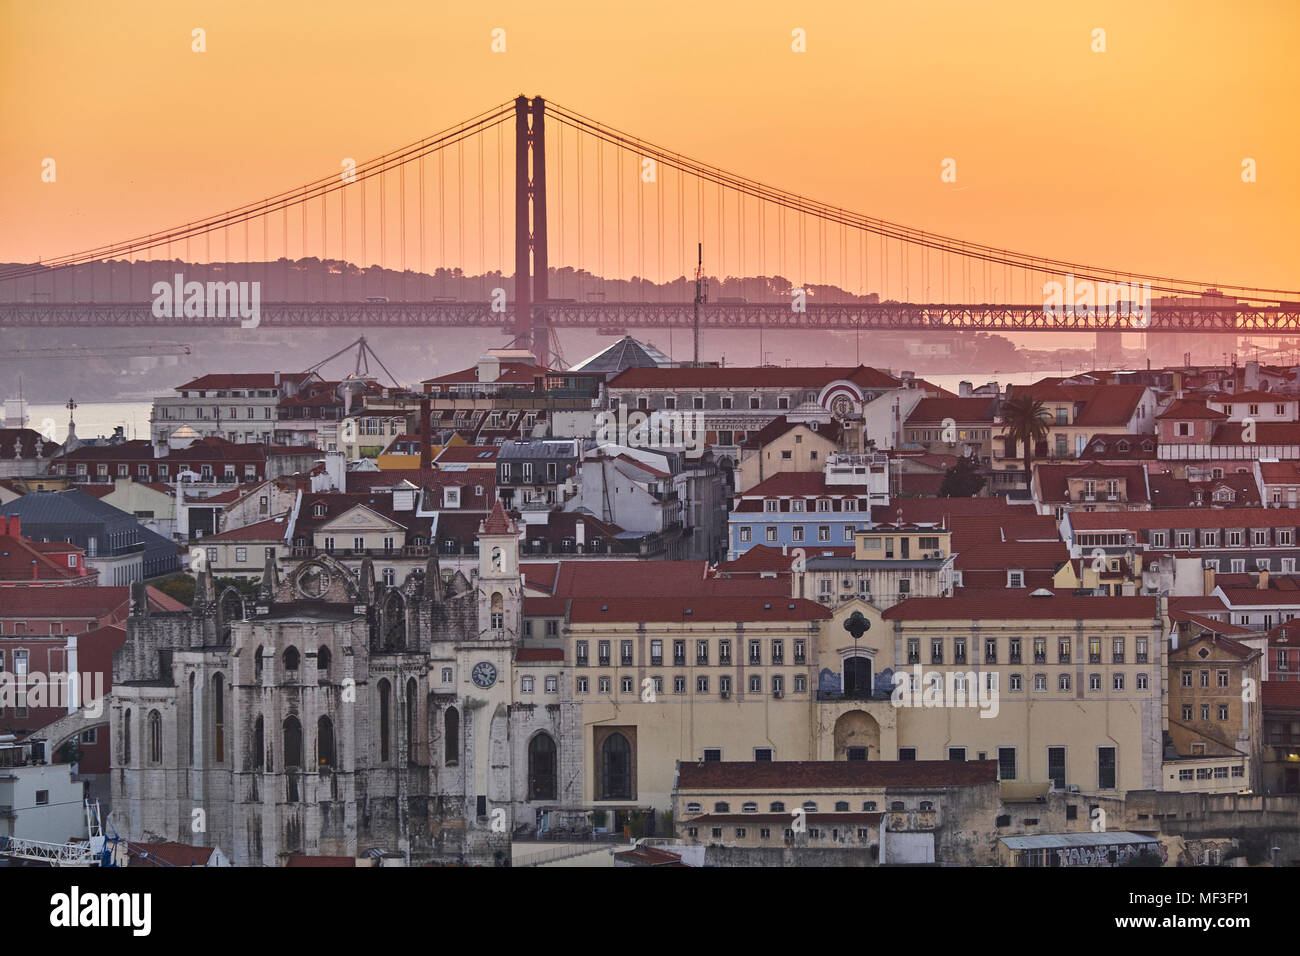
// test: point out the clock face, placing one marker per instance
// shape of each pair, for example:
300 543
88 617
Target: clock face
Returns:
484 674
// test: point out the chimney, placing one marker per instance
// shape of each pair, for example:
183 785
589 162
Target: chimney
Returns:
1263 580
1207 586
580 533
15 526
965 389
489 368
426 440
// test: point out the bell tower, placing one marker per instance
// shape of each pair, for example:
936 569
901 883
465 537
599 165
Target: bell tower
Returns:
500 590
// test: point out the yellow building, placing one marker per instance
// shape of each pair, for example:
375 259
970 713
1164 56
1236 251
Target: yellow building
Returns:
786 445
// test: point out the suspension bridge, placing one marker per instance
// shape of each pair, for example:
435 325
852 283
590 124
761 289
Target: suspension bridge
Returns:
572 223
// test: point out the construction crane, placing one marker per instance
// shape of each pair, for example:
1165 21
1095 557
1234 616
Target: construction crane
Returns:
91 352
96 850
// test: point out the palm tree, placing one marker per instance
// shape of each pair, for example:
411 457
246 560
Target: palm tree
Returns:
1024 420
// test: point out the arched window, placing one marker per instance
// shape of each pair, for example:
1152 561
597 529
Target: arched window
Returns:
126 737
292 743
155 737
325 754
897 806
616 768
257 666
777 807
385 712
810 806
721 807
750 807
498 614
291 660
451 736
541 768
412 748
693 808
394 635
841 806
218 718
191 721
259 743
927 805
323 663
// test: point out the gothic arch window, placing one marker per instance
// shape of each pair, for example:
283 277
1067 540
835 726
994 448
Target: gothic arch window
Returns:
126 737
291 661
323 662
616 768
292 743
498 559
155 737
541 768
412 750
394 622
451 736
191 720
259 743
385 715
257 665
218 718
232 609
326 755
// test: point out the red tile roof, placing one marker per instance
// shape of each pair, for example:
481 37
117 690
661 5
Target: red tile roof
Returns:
239 380
595 578
1251 397
852 818
831 431
526 655
168 854
709 378
833 774
298 860
498 522
1122 447
511 373
1280 695
754 609
467 454
650 856
1063 605
1266 433
1187 409
931 410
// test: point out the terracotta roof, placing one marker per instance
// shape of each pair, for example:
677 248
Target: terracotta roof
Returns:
762 558
1103 405
239 380
1280 695
1054 480
1266 433
832 431
1186 409
168 854
497 522
1218 627
79 602
299 860
595 578
802 484
650 856
511 373
1061 606
713 379
468 454
762 608
930 410
1122 447
832 774
525 655
1251 397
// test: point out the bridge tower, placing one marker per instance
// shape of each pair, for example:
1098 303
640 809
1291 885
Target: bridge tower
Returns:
532 329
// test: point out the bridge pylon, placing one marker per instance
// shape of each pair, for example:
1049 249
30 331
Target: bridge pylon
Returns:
532 328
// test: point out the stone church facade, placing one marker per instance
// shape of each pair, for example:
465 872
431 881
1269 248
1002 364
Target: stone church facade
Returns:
331 716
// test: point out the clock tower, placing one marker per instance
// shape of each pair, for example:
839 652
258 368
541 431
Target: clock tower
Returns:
484 667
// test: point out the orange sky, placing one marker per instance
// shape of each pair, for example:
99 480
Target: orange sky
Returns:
1129 158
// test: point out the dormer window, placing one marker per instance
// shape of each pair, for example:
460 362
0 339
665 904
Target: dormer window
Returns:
451 497
1121 446
318 510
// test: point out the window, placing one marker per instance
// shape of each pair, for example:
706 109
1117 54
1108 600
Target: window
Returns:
906 753
541 768
1106 768
1006 763
616 768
